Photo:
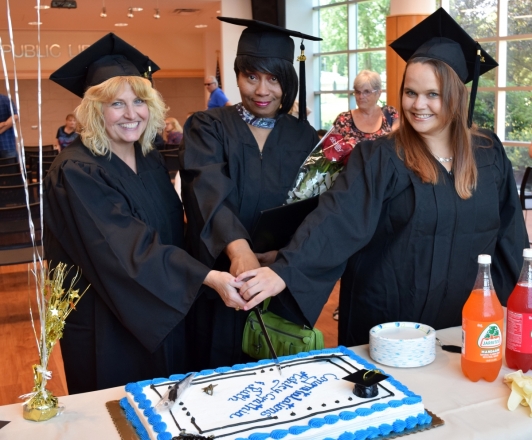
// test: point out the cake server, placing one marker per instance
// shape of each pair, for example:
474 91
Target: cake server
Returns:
267 337
173 394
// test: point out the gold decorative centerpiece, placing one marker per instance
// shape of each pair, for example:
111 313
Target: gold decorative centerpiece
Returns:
54 305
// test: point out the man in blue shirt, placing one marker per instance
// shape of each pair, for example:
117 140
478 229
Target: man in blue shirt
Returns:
8 145
217 98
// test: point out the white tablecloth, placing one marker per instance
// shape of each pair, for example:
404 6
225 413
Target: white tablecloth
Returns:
470 410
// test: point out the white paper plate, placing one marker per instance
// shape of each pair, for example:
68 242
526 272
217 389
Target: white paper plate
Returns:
402 344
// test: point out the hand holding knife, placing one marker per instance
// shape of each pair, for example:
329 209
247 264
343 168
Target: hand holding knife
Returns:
258 314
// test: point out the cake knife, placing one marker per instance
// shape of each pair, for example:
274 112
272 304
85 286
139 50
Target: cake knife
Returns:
267 337
173 394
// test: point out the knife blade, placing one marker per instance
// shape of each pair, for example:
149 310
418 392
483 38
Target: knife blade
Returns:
173 394
267 337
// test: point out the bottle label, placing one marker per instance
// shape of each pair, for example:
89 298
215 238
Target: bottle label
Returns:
519 332
482 341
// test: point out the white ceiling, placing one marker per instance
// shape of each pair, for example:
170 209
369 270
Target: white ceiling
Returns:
86 17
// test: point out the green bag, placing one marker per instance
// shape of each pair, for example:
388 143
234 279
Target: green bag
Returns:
287 338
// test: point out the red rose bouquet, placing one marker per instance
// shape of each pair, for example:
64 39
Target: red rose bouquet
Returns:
322 166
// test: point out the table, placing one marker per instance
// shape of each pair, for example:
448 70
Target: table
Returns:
470 410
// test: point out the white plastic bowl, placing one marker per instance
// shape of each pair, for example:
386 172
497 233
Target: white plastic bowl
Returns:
402 344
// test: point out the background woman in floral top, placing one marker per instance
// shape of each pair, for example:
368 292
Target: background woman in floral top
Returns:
368 121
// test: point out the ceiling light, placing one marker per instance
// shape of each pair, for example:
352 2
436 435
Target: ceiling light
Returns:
201 26
103 14
137 9
120 24
35 23
218 12
42 7
156 15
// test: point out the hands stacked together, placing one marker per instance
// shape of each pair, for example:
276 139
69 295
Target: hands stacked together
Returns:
247 284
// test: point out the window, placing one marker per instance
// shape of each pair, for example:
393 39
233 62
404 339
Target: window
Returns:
354 38
504 102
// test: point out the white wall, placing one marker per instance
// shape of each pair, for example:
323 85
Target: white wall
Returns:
230 37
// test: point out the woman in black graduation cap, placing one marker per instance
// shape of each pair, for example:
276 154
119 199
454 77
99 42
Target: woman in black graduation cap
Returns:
237 162
412 211
111 210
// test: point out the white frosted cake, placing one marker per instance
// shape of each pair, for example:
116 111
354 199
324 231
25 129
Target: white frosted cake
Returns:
310 400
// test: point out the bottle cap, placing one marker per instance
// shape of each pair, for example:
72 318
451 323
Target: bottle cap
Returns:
484 259
527 253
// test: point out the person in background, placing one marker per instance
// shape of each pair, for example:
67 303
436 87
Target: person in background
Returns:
413 210
8 145
217 98
236 162
173 132
368 120
110 210
321 132
67 133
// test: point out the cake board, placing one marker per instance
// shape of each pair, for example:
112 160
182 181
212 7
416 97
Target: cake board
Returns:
127 432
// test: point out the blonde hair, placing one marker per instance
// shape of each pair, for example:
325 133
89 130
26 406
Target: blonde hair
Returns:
90 113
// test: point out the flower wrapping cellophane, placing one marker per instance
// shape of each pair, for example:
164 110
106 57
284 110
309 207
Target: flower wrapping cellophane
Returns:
321 167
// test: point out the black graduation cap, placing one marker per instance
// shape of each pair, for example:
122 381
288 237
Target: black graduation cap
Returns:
265 40
366 382
441 38
110 56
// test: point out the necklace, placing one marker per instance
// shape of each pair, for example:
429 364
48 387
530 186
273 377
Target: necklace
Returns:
443 159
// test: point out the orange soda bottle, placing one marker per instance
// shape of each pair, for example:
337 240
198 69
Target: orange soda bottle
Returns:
519 319
482 328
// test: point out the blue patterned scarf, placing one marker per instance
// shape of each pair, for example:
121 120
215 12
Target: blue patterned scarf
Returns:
251 119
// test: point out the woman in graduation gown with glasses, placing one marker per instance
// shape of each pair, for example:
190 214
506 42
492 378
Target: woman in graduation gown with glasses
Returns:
237 162
413 210
110 210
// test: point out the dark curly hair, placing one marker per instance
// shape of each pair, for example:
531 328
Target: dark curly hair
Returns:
282 69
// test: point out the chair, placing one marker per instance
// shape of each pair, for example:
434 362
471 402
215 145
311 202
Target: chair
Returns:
16 245
35 149
171 161
47 150
11 168
12 179
525 191
170 147
46 163
16 195
8 160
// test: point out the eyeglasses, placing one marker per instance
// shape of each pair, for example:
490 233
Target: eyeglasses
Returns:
364 93
208 84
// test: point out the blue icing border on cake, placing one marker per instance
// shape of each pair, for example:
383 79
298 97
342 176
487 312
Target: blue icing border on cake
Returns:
133 418
398 426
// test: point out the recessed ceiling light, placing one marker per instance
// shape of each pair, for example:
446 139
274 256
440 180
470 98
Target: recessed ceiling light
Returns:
35 23
120 24
218 12
137 9
42 7
201 26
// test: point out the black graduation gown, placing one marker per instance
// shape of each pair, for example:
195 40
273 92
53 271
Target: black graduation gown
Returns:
124 230
226 183
412 247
